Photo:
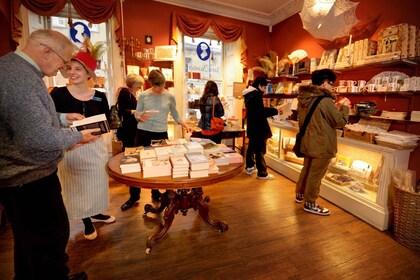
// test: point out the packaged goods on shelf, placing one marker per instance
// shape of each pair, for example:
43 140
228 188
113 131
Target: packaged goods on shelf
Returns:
394 39
397 140
366 130
328 59
339 179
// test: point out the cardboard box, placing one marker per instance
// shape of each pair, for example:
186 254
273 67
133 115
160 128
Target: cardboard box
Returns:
393 39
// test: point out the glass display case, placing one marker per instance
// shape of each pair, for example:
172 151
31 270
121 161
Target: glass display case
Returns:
358 179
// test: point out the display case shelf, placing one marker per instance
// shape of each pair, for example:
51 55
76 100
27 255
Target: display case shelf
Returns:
374 203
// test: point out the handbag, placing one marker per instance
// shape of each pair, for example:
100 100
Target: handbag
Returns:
299 136
216 123
115 121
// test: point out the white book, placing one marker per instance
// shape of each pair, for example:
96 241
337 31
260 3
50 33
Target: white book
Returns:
179 161
234 157
163 152
97 121
147 153
156 168
197 161
180 175
219 158
193 147
199 173
129 164
178 149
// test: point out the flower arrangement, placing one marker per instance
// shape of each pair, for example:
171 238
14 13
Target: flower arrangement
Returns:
268 64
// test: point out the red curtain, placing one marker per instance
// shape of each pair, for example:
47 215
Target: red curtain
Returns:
94 11
194 26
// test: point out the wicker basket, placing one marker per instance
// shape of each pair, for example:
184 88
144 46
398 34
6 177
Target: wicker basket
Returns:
407 218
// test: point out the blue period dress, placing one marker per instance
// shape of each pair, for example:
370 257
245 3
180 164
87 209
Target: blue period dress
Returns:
82 171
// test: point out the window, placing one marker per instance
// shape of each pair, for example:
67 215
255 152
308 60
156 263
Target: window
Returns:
96 32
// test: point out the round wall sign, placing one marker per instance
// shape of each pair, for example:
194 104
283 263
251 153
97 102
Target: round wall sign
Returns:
78 31
203 51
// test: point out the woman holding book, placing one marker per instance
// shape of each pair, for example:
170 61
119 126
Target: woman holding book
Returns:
82 171
127 103
153 108
210 106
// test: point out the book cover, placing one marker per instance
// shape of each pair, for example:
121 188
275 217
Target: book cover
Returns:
219 158
129 164
147 153
193 147
163 153
97 121
133 151
178 149
197 161
179 161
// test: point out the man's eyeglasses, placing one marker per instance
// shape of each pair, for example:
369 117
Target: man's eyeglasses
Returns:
64 61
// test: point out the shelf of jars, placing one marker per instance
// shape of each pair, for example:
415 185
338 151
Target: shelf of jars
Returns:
358 179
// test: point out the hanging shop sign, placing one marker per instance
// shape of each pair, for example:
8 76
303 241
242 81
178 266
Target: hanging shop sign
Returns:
79 31
203 51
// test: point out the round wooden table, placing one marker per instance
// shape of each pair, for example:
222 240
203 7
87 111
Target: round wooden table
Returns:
181 194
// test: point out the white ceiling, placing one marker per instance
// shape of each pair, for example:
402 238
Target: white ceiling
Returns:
264 12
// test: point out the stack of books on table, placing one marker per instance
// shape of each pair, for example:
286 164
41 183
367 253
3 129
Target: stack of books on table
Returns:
156 168
180 166
234 157
178 149
219 158
130 163
194 147
199 165
208 145
163 152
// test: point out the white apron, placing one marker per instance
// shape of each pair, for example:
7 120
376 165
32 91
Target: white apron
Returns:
84 180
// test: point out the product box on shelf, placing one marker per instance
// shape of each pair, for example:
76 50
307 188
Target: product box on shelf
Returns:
363 135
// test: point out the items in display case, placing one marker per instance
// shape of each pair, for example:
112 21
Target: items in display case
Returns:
339 179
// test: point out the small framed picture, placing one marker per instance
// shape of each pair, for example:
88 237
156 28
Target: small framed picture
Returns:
148 39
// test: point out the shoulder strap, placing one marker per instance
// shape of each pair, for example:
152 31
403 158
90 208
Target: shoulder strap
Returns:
212 111
309 115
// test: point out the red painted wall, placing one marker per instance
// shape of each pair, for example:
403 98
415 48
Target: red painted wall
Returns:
289 34
144 17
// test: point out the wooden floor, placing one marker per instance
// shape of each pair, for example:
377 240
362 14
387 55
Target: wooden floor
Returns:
269 237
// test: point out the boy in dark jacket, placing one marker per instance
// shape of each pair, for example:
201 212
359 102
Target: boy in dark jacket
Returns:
258 130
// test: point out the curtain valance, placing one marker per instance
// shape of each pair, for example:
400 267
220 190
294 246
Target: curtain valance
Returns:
94 11
195 26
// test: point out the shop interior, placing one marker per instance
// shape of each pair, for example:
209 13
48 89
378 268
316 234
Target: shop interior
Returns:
376 60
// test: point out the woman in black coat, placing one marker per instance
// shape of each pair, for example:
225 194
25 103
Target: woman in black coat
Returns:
258 130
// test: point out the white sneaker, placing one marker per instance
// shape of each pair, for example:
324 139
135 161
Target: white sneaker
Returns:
268 177
251 170
316 209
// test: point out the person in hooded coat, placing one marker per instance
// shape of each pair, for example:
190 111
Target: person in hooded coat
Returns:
319 143
258 130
